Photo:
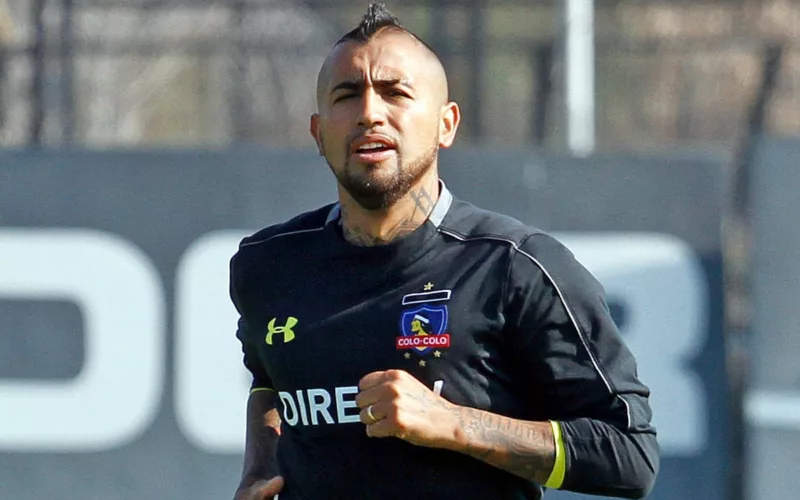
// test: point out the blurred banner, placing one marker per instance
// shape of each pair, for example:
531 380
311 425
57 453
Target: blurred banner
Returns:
120 375
773 400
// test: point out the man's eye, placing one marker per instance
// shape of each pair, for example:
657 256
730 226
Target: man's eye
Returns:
397 93
343 97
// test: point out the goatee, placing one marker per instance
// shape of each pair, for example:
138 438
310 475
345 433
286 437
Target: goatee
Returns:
377 196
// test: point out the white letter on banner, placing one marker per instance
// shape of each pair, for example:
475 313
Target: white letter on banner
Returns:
662 287
115 396
211 383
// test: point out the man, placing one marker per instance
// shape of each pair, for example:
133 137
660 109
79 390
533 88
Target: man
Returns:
406 344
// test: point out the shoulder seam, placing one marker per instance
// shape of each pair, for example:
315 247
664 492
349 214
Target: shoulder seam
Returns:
274 236
512 249
584 342
486 236
581 336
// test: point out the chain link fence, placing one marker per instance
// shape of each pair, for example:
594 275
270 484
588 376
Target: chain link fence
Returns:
202 73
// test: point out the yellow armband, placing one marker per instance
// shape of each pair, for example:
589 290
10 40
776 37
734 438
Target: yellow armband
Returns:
259 389
556 478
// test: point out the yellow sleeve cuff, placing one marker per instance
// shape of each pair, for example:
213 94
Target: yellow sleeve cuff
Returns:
259 389
556 478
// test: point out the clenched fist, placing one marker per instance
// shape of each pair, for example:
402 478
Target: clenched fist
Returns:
395 404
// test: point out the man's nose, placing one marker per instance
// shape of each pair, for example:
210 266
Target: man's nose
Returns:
373 109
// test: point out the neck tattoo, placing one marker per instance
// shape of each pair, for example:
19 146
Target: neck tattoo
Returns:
359 236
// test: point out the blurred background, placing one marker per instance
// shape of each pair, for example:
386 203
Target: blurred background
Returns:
141 139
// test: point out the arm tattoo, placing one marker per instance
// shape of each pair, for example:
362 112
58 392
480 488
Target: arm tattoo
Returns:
261 442
523 448
423 204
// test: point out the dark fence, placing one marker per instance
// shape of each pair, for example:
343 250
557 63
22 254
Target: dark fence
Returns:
247 63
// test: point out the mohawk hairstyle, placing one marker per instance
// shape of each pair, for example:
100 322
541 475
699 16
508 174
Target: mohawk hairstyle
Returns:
376 18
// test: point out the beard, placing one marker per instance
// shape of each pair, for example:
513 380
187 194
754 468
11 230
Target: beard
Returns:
374 190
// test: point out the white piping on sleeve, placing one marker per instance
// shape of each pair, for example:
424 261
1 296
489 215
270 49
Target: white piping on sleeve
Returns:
563 299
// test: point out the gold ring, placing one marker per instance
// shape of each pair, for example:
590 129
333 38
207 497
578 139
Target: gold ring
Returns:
370 415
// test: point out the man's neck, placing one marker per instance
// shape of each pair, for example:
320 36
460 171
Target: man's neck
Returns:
369 228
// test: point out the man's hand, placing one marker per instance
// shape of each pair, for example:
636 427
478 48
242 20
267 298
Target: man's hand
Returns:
261 490
395 404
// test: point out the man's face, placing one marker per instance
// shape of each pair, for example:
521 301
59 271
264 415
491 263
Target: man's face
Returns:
379 124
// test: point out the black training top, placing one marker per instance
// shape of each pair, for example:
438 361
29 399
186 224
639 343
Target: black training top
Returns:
493 314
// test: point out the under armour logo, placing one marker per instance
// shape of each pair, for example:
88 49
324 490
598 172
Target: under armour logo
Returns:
285 330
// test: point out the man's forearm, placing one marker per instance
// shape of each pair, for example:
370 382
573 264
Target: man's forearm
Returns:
261 441
524 448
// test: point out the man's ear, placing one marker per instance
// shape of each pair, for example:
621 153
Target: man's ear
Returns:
313 128
448 124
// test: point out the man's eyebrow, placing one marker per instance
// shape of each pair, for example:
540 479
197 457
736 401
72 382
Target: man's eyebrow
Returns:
348 85
388 82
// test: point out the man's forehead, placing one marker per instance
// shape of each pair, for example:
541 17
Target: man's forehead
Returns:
374 73
381 59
